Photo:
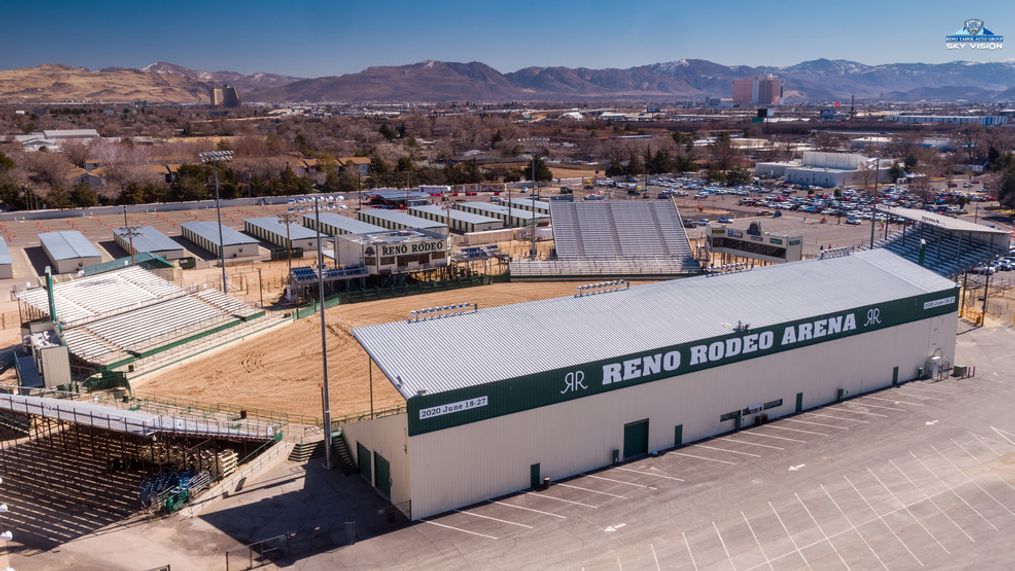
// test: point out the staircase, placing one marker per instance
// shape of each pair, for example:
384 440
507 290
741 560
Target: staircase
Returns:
17 421
304 451
341 453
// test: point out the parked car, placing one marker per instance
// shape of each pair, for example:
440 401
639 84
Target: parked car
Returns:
852 220
725 220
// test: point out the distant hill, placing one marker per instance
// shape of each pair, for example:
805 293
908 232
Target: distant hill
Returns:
437 81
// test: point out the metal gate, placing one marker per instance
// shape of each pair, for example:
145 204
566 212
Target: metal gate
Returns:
382 475
636 439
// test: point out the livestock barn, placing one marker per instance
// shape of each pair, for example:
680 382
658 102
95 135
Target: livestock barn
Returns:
488 411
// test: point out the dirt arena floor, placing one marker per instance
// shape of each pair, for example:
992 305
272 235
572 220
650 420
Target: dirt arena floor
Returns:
280 370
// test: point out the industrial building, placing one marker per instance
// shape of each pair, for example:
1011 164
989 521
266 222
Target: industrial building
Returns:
225 96
336 224
513 217
206 235
148 239
289 235
393 251
69 250
396 220
530 204
6 262
828 169
460 221
985 120
636 370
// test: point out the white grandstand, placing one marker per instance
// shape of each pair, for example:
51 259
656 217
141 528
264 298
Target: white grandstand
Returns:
613 239
124 318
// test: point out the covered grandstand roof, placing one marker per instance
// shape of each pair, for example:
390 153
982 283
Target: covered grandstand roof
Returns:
622 229
68 245
134 422
149 239
495 344
210 231
945 222
347 223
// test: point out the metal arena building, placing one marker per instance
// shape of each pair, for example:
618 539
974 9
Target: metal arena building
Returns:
489 412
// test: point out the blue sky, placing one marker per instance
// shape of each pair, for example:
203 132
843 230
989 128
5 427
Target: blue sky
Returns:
309 38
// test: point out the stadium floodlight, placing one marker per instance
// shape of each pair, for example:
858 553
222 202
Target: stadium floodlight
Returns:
298 207
213 158
7 535
4 509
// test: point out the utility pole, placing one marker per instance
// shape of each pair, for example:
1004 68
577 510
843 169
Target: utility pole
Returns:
288 218
130 232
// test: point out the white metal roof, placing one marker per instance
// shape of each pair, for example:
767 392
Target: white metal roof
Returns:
513 340
296 231
498 209
5 253
68 245
402 218
210 231
946 222
455 214
347 223
149 239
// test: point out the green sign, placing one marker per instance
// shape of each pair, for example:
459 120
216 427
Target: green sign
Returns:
437 411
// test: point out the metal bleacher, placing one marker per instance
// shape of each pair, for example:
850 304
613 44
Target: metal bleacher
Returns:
114 319
946 253
624 238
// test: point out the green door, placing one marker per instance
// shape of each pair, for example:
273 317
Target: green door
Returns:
636 439
535 475
799 402
365 462
738 421
382 470
895 376
678 436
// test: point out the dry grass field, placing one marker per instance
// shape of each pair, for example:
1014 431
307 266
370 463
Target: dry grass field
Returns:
280 370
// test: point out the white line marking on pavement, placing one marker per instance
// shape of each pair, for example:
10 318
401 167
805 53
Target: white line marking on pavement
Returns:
728 439
726 450
838 417
458 529
855 530
989 467
654 558
931 500
921 393
795 430
618 481
566 501
755 536
499 503
816 423
881 517
970 480
620 565
984 442
854 403
689 552
593 491
893 401
650 474
494 519
1002 434
863 412
822 530
763 435
790 536
954 493
704 458
908 511
723 543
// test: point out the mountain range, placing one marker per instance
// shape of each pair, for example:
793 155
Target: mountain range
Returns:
437 81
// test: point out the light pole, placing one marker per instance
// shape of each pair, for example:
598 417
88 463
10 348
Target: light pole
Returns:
298 208
287 218
212 158
874 212
130 232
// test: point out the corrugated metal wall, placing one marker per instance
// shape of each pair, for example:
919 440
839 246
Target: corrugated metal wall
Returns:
462 465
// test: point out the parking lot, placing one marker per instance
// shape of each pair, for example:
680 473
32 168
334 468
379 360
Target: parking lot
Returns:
906 478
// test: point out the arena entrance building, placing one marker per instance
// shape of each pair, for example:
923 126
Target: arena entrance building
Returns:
392 253
489 412
613 239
